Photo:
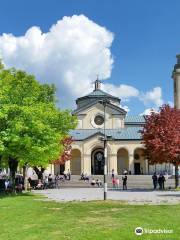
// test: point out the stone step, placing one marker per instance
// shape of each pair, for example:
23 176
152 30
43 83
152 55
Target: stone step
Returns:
134 181
137 177
129 184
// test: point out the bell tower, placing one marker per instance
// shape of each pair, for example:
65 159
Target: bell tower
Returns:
176 77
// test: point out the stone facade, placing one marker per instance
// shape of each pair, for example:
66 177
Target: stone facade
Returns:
125 150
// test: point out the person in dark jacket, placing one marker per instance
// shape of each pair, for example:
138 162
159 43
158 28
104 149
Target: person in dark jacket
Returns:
112 173
163 180
124 182
160 181
155 179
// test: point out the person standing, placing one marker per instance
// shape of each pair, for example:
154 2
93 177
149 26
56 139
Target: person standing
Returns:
112 173
50 180
154 178
124 182
6 184
160 181
46 182
114 183
57 180
69 175
163 180
65 175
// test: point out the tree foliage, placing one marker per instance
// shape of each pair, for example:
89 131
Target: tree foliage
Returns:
161 135
67 145
31 126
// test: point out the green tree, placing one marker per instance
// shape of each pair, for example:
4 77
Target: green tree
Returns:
31 126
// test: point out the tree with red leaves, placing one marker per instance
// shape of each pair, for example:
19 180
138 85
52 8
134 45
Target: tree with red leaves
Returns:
161 136
67 147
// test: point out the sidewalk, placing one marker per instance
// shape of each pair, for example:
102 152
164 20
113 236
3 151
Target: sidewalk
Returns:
131 197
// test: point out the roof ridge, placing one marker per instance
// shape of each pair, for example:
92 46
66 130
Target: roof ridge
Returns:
94 93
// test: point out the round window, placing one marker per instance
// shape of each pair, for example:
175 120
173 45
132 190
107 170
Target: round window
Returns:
99 120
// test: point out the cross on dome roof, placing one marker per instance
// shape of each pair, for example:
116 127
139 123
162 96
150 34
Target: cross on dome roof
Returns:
97 84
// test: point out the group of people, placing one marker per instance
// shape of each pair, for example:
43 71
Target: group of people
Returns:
116 181
96 182
6 185
84 177
50 181
158 181
44 183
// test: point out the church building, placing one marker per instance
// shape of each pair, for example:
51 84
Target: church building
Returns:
99 114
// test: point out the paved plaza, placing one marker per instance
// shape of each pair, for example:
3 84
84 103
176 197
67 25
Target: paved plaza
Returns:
129 196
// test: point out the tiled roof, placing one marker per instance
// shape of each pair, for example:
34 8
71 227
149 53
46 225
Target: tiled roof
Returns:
128 133
134 119
98 93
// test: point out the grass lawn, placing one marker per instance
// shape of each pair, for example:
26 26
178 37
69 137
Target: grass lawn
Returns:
28 217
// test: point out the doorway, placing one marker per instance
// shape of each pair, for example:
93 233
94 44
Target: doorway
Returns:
62 168
137 168
97 162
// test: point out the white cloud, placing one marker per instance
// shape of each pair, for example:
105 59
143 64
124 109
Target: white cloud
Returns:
122 91
148 111
153 97
70 55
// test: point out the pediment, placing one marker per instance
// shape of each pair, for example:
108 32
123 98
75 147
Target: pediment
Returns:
96 106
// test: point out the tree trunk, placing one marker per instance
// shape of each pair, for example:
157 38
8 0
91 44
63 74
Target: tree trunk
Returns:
39 172
13 164
176 176
25 177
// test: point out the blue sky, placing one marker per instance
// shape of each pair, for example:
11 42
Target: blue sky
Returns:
146 37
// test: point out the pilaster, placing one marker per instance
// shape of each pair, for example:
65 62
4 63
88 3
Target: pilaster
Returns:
67 165
112 160
87 164
131 162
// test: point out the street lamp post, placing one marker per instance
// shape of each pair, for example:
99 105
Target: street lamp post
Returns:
104 102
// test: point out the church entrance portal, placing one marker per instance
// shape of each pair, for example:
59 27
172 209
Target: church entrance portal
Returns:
97 162
137 168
